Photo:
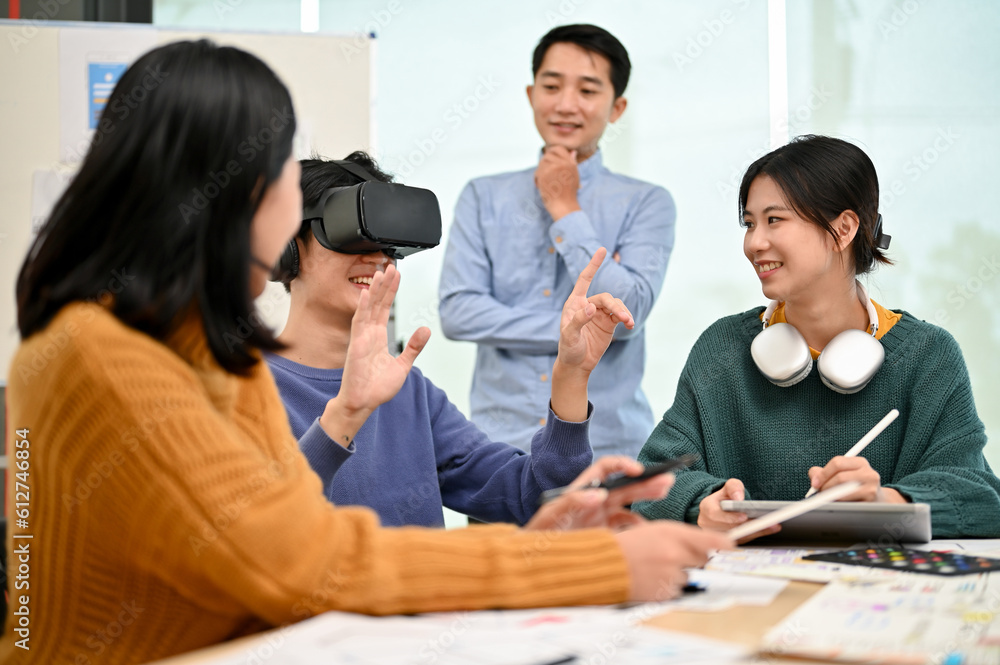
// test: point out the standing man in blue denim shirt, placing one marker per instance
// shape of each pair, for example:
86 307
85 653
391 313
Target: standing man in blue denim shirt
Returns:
518 240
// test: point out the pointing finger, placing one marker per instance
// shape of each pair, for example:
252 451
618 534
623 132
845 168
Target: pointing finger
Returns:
587 276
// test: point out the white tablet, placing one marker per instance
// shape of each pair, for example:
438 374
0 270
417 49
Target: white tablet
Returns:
848 522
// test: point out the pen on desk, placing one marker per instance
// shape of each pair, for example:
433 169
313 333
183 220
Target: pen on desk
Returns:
617 480
865 440
561 661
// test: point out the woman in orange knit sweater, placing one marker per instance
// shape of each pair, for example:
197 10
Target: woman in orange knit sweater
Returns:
170 507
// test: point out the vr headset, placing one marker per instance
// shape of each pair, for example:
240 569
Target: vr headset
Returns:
371 216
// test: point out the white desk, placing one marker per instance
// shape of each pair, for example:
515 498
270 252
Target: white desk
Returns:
742 625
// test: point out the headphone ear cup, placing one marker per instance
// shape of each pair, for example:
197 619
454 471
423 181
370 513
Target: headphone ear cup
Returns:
287 267
850 361
781 354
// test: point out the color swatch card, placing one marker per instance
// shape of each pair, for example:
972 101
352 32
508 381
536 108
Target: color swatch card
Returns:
911 560
907 618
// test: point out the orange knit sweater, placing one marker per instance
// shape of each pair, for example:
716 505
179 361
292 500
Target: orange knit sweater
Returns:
170 509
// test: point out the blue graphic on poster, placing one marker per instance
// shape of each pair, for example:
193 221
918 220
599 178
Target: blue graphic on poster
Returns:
102 79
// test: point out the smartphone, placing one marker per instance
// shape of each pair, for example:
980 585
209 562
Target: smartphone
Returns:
618 480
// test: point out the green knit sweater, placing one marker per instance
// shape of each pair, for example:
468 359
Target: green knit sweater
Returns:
745 427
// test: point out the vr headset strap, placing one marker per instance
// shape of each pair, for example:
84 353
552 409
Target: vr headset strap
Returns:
316 212
354 169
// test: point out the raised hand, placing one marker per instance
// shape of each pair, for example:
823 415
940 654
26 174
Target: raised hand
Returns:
588 324
585 331
372 376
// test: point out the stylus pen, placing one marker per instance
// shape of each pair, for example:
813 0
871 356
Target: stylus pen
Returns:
865 440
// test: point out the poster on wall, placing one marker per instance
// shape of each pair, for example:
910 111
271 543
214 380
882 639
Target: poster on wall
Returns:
91 61
102 78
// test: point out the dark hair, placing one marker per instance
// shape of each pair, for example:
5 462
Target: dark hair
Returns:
821 177
320 174
191 137
590 38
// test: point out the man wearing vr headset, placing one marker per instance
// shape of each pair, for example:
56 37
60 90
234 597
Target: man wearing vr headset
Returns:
768 422
519 240
377 432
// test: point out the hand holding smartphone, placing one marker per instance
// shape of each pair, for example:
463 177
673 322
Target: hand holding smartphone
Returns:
618 480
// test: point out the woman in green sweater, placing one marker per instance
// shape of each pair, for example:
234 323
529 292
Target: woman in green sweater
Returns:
768 422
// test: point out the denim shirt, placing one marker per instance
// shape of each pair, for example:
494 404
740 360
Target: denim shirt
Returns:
509 269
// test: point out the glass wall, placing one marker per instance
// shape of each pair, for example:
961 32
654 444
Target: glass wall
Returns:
917 85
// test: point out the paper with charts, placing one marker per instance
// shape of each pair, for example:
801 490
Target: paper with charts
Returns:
512 637
908 618
787 563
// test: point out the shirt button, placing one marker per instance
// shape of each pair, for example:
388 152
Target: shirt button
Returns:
545 377
552 250
546 293
558 238
541 422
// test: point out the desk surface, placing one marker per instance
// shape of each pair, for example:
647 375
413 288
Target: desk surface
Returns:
742 624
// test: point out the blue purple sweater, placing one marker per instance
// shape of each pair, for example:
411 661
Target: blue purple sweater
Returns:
418 452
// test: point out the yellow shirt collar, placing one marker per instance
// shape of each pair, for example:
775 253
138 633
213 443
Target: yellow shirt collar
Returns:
886 320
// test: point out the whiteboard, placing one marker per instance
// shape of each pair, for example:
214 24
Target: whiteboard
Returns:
329 77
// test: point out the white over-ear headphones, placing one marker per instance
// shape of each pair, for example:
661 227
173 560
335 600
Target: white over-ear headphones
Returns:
846 365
